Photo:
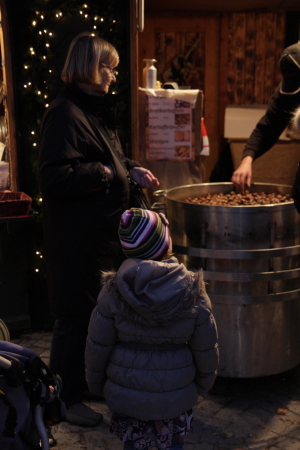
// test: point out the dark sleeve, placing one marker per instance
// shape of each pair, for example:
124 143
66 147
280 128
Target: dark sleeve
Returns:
63 169
101 340
204 346
272 124
130 164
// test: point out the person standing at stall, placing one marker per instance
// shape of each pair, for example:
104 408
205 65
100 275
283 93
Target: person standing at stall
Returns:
279 113
152 343
83 180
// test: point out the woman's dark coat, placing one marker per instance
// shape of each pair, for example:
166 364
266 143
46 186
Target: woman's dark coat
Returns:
81 210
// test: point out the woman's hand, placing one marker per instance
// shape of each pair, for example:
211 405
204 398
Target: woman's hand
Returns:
109 173
144 177
243 174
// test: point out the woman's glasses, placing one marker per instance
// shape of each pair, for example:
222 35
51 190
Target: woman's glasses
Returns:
113 71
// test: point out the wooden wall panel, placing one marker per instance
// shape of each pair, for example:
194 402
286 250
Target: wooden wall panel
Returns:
279 44
196 38
255 42
231 59
236 61
181 58
270 63
249 57
259 58
239 49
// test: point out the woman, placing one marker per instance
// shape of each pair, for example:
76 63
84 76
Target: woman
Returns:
82 176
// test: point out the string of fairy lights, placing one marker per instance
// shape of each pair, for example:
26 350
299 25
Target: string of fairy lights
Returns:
40 75
38 69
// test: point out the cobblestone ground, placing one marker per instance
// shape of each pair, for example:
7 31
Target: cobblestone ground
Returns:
237 414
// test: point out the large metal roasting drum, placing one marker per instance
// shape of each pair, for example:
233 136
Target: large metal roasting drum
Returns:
250 256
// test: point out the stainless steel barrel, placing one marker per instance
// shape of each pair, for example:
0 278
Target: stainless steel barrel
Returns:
251 261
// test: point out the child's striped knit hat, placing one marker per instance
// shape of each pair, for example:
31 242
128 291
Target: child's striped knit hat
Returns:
144 234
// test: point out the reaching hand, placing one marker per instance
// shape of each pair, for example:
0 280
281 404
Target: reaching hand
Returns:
144 177
243 174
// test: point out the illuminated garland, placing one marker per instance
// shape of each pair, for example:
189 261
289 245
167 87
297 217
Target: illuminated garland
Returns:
40 74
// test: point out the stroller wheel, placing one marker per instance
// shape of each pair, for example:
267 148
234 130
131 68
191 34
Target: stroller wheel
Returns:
52 441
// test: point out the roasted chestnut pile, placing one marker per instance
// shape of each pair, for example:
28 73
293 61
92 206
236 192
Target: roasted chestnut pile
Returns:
240 198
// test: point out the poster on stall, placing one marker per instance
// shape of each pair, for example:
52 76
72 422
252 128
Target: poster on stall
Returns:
172 124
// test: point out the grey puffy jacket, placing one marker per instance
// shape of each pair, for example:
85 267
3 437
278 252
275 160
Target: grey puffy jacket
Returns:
152 342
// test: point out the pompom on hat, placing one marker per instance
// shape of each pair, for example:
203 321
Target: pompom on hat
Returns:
144 234
289 65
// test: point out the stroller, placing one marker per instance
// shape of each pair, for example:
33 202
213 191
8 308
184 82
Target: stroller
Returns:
29 399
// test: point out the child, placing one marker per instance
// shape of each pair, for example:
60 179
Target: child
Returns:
151 346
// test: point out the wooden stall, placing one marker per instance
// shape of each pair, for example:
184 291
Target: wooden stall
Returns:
231 55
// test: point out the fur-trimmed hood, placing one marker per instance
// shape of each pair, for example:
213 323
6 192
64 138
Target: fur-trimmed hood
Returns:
157 291
152 342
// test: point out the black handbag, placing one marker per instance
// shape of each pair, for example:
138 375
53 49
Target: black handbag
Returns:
137 198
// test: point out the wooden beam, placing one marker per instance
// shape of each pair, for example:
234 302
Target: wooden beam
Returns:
9 100
134 79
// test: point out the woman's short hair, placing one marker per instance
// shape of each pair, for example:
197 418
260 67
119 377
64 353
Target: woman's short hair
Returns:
86 53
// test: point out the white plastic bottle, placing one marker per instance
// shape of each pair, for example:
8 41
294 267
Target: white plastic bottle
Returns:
149 74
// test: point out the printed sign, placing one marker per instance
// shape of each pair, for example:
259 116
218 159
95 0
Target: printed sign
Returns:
169 129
